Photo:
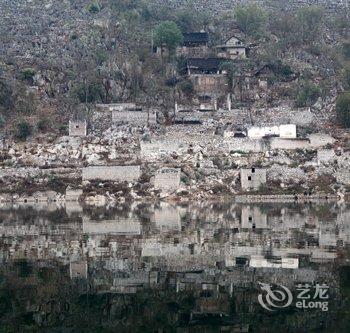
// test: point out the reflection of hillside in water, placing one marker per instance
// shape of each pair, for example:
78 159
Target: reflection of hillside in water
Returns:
207 258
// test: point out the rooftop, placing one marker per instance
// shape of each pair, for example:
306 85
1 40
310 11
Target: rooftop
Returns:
212 64
195 37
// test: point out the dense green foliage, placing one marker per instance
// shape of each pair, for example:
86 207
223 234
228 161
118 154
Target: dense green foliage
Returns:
343 109
89 92
167 33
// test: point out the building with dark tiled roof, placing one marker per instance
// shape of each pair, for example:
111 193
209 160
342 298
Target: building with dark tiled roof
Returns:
194 39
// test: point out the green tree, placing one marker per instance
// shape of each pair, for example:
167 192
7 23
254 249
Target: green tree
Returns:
252 19
167 33
89 93
343 109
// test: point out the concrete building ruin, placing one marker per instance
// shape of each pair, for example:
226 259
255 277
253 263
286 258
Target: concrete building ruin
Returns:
167 179
77 128
252 179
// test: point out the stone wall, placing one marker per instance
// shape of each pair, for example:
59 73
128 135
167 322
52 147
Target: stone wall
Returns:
167 179
113 173
136 118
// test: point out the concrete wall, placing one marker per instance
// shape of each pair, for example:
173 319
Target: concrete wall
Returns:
136 118
114 173
167 179
260 132
209 84
278 143
77 128
283 131
252 179
245 145
116 107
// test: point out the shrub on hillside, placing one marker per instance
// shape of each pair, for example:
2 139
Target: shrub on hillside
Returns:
343 109
186 87
307 95
27 75
94 7
43 125
23 130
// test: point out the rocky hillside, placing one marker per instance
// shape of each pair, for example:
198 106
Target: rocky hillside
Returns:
58 58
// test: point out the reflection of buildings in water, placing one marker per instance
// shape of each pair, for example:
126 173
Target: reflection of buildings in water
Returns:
259 261
167 217
78 269
152 248
211 255
73 207
253 218
114 227
215 240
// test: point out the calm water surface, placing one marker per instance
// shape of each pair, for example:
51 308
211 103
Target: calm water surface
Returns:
164 268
